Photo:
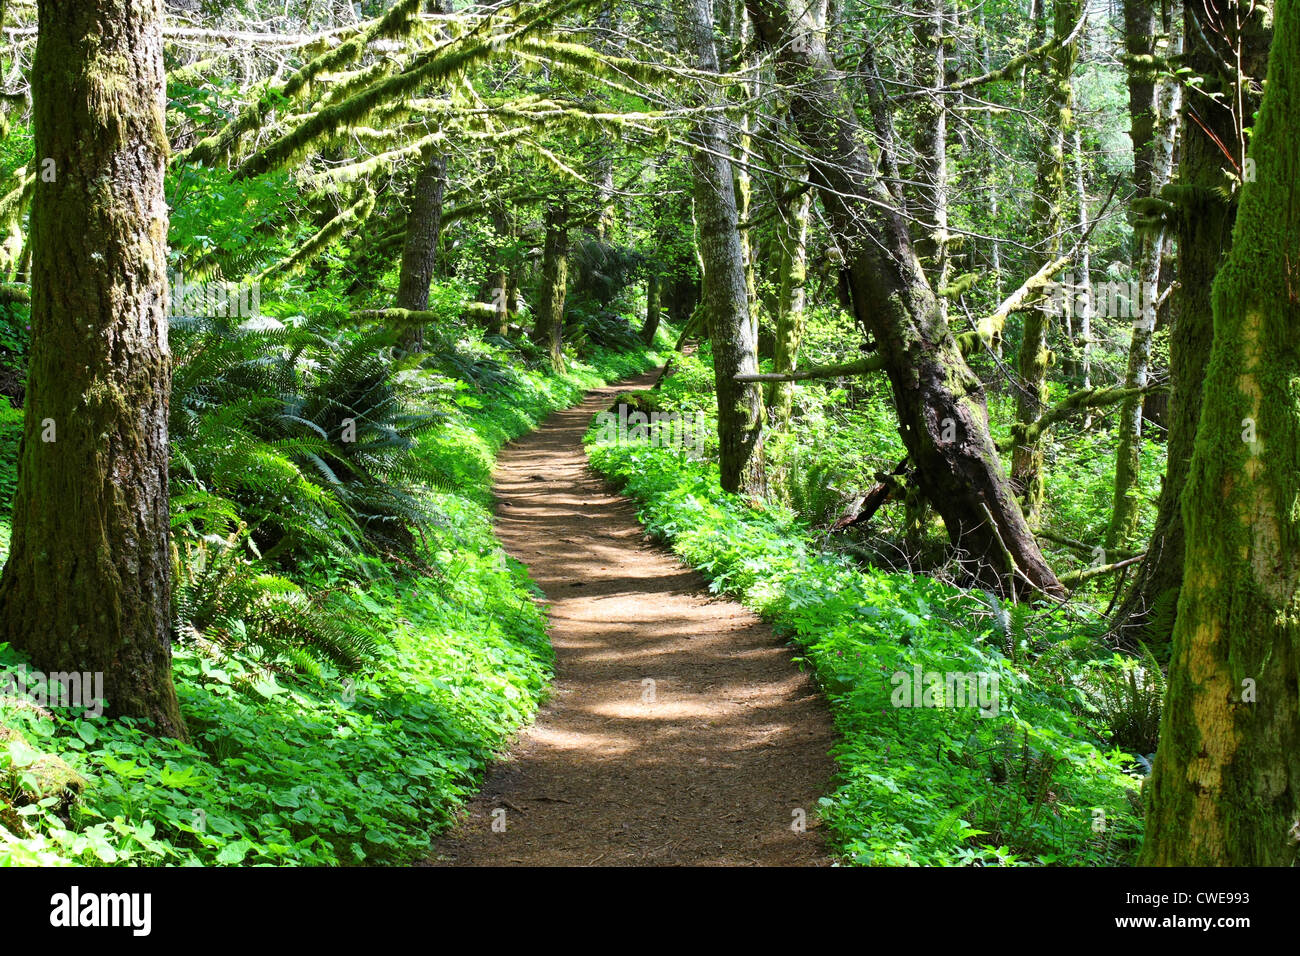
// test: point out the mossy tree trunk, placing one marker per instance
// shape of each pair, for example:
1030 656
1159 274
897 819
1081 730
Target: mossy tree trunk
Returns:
548 329
1157 169
726 292
652 310
943 417
1049 201
1202 225
1226 784
792 236
420 244
87 584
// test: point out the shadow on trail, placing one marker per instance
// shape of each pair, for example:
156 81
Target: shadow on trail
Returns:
678 730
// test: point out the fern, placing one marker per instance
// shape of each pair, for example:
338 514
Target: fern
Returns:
222 596
309 435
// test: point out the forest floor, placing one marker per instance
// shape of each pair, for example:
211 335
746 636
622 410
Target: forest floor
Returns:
678 730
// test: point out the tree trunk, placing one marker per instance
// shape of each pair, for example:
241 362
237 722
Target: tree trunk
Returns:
994 192
500 300
420 247
423 228
932 145
651 325
882 118
940 401
726 295
87 586
605 192
1139 47
1225 790
549 327
744 183
792 231
1083 334
1151 248
1049 199
1203 226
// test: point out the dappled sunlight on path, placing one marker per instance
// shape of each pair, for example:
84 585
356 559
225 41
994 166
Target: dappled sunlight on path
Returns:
678 730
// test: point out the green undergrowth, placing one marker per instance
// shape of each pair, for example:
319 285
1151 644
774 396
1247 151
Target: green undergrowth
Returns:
1030 777
308 764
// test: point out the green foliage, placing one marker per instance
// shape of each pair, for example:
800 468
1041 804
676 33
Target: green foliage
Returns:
220 594
15 334
226 227
311 771
11 433
932 785
16 147
293 760
1127 695
310 435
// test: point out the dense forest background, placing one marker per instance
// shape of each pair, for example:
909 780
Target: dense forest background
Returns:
989 310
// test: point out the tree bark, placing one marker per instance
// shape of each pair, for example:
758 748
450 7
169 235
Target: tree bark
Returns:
87 585
652 310
549 328
1049 200
1139 48
932 144
504 235
420 246
940 402
423 228
1167 103
726 294
1203 226
792 234
1225 789
1083 334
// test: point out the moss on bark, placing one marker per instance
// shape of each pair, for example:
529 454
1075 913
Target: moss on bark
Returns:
87 584
1226 784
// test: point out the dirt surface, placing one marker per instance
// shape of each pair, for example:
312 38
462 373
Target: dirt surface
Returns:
678 730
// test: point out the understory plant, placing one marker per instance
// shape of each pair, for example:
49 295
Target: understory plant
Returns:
1034 774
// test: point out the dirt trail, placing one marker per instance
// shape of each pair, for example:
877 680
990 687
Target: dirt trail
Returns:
710 768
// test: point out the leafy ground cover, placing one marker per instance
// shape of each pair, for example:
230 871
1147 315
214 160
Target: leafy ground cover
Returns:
1038 775
301 761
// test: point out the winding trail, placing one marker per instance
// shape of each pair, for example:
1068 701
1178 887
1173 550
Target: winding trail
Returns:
707 765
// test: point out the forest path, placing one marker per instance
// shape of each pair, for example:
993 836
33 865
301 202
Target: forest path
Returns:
712 769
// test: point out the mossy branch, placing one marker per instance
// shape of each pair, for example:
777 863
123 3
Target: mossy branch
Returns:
397 317
219 146
1081 546
990 327
343 223
862 366
1073 404
14 294
1005 71
1072 578
449 58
